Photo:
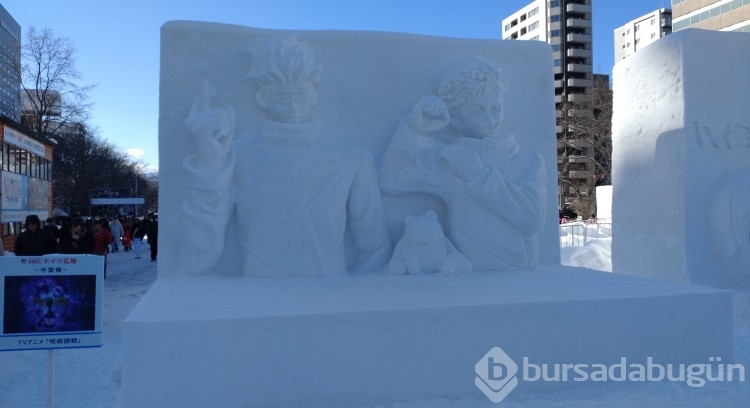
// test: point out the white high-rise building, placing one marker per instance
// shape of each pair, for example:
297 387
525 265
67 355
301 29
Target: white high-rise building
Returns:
641 32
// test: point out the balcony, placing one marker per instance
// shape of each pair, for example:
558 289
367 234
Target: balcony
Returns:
558 83
579 38
558 99
580 83
581 174
578 22
578 8
579 68
578 159
579 98
579 53
580 113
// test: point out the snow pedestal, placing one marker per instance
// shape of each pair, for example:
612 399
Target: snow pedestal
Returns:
341 342
681 173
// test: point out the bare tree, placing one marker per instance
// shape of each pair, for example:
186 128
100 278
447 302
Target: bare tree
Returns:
85 166
52 97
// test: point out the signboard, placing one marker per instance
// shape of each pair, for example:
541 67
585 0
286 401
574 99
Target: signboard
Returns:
117 201
17 138
51 301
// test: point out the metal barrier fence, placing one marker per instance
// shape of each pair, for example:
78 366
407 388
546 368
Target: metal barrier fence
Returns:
579 233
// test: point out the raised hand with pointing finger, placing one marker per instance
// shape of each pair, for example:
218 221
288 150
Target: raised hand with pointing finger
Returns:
211 128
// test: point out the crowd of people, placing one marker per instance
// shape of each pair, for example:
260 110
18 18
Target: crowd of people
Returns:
95 236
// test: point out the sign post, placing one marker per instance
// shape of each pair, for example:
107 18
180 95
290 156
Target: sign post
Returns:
51 302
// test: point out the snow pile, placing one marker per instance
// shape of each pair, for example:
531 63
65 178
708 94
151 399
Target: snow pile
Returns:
596 254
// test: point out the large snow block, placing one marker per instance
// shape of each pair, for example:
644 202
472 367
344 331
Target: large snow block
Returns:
330 342
681 167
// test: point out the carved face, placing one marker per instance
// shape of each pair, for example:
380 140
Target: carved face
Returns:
480 117
292 104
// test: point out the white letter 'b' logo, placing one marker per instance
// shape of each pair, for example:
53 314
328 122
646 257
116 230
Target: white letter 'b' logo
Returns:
496 373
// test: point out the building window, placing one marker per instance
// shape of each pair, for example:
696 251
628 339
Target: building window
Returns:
533 26
555 18
534 12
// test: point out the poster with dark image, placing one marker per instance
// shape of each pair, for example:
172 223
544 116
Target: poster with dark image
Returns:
37 304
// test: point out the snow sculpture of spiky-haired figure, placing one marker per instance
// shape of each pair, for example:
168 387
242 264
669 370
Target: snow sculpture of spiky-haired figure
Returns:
283 62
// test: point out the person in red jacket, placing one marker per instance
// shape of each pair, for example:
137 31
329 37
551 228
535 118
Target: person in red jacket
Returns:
102 239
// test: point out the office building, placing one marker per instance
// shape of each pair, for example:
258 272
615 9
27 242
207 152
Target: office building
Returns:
717 15
10 57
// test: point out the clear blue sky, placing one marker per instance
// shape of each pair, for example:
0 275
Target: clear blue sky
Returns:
118 41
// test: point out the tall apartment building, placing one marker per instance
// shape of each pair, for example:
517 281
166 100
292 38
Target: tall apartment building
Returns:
717 15
566 26
10 55
641 32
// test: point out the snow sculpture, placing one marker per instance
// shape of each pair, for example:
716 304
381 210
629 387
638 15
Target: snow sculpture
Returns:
277 174
451 146
424 248
680 160
729 222
295 195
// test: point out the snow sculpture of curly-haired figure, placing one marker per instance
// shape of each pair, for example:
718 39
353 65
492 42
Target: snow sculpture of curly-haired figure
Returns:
452 146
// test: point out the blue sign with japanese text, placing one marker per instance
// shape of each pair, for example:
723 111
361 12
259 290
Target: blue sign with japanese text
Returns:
52 301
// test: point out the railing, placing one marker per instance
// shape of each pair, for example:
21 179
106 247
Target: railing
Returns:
579 233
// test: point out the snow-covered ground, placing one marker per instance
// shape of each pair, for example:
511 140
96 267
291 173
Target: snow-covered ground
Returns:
92 377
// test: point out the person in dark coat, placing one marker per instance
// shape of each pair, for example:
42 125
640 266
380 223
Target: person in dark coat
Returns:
50 226
80 239
35 240
153 236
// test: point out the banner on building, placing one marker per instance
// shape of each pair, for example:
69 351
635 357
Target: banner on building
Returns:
21 196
